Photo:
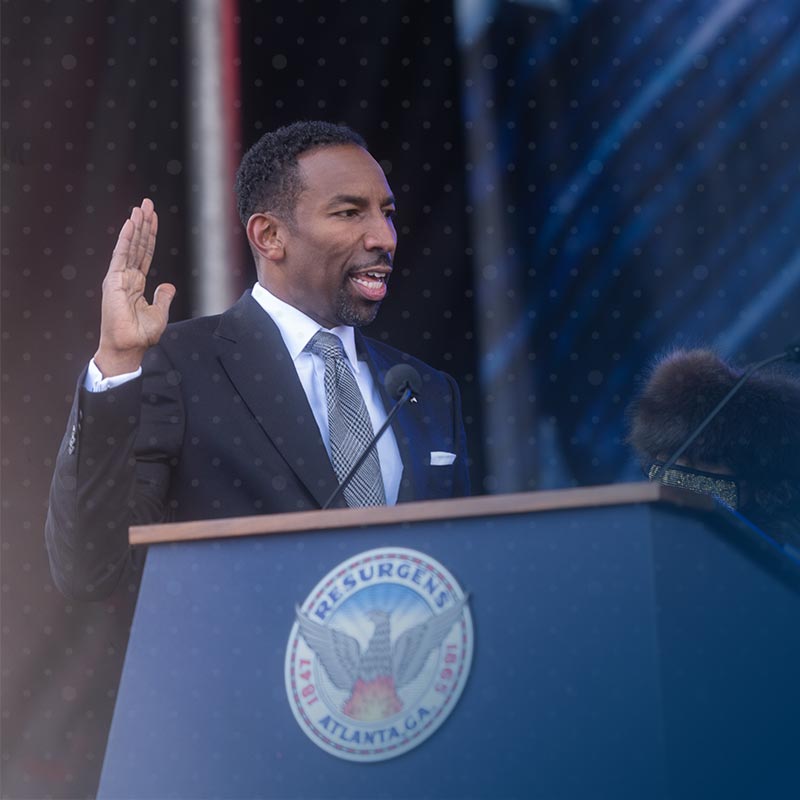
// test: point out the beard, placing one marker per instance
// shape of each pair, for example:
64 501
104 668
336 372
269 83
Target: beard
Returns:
355 311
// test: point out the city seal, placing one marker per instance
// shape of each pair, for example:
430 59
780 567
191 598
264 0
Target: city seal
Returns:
378 654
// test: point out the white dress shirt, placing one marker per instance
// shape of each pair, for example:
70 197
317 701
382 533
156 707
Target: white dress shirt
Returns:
296 330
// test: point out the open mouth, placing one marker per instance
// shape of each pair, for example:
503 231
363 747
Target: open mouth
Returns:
371 284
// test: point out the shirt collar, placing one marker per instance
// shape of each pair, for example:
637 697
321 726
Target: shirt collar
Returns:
296 328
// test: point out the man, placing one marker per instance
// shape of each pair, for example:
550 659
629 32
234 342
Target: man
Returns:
252 411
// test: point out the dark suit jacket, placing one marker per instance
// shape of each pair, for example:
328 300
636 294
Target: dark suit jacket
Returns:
219 426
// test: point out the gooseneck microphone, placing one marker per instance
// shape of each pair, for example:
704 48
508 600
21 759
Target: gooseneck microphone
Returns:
403 382
791 353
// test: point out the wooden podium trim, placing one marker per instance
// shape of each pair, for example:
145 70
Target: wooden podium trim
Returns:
459 508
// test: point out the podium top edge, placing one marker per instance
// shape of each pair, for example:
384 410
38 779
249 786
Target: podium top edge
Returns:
430 510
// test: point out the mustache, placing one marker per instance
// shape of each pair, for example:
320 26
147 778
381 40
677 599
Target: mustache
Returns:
382 260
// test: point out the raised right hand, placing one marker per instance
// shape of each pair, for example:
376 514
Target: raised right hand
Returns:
129 324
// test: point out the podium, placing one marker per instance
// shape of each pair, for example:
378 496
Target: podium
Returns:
631 641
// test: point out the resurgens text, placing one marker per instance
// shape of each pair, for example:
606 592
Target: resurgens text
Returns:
411 574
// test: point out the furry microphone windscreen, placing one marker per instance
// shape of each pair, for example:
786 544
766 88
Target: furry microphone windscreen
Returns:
757 435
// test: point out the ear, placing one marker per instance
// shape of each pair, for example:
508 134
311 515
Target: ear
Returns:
265 233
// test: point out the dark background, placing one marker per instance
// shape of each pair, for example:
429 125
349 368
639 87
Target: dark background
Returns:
643 158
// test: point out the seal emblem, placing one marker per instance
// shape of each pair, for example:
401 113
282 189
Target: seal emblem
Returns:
379 654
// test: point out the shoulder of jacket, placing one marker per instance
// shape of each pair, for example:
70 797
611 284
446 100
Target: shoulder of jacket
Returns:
391 355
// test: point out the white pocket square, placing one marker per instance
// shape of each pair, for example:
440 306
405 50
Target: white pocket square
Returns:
441 459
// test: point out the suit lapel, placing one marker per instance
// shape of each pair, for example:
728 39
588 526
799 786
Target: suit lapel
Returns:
405 425
258 364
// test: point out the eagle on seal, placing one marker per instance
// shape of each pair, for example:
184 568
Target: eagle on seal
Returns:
374 676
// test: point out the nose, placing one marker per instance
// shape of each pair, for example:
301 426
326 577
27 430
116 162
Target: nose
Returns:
380 235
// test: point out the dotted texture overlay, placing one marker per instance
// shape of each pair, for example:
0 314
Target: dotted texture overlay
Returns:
92 121
647 157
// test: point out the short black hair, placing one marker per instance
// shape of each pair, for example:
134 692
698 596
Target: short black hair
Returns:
268 179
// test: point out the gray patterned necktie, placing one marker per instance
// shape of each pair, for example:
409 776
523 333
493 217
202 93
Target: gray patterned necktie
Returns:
349 426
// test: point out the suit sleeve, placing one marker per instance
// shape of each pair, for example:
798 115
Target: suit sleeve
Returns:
112 471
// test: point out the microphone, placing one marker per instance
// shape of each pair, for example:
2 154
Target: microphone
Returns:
403 376
791 354
403 383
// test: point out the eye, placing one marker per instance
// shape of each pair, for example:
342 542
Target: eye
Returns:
389 213
347 213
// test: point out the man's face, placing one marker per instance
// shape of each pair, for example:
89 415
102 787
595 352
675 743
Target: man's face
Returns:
339 249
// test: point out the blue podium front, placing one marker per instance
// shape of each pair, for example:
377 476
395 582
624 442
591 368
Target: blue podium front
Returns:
621 649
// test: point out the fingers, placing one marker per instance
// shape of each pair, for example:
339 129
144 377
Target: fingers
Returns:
163 297
144 234
119 258
141 241
147 211
136 241
149 240
137 220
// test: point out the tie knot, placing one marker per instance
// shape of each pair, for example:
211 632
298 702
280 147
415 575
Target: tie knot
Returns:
325 345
